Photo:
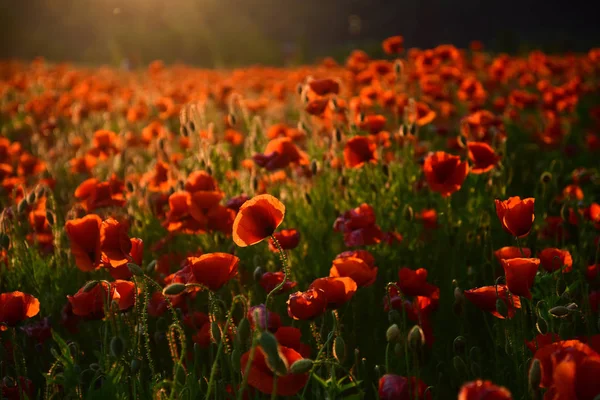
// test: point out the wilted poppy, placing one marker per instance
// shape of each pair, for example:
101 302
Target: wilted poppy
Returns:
396 387
445 173
359 150
520 274
553 259
270 280
214 270
261 377
516 215
338 290
16 307
356 268
483 390
288 239
483 157
485 298
257 219
84 236
307 305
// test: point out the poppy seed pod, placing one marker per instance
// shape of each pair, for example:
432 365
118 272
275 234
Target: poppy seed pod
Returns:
393 333
559 311
535 374
302 366
339 349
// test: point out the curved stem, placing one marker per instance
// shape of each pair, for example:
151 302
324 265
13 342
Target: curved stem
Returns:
286 272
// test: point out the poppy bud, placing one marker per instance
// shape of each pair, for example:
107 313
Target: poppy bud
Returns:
235 360
22 206
459 345
95 367
135 365
174 289
475 353
302 366
117 346
459 365
89 286
159 337
243 331
184 131
361 117
192 126
337 133
377 370
385 168
339 349
314 167
416 338
398 349
408 213
535 374
135 269
413 129
231 119
4 240
255 183
501 307
268 342
299 88
31 197
561 286
545 178
258 273
394 317
572 307
50 217
215 332
559 311
393 333
475 369
307 198
151 266
541 325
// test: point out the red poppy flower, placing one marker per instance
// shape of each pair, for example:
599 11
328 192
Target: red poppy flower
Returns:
445 173
337 290
261 377
506 253
289 336
214 270
288 239
115 244
396 387
353 267
393 45
280 153
307 305
541 341
553 259
257 220
324 87
270 280
90 304
485 298
16 307
482 155
414 282
516 215
359 150
137 250
84 236
428 218
362 216
552 355
200 323
520 274
483 390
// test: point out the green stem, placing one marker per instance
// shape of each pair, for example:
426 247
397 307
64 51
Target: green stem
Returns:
248 366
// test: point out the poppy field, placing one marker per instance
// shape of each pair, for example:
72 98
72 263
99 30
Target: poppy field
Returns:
423 226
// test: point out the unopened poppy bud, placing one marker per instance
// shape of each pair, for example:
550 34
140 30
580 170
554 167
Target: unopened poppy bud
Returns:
129 186
559 311
459 297
398 67
117 346
243 331
413 129
416 337
215 332
159 337
314 167
89 286
572 306
475 369
408 213
535 374
475 353
161 324
501 307
394 317
541 325
299 88
192 126
236 360
174 289
135 365
398 349
385 168
302 366
4 240
361 117
151 266
339 349
546 177
459 345
258 273
135 269
393 333
377 370
561 286
50 217
255 183
307 198
22 206
337 134
31 197
459 365
231 119
268 342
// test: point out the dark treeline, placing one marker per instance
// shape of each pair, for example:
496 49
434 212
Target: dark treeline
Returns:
234 32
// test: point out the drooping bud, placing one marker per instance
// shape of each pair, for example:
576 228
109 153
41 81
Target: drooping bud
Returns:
535 374
268 342
394 317
89 286
302 366
174 289
559 311
314 167
135 269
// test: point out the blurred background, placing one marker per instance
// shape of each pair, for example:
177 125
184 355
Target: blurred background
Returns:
219 33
